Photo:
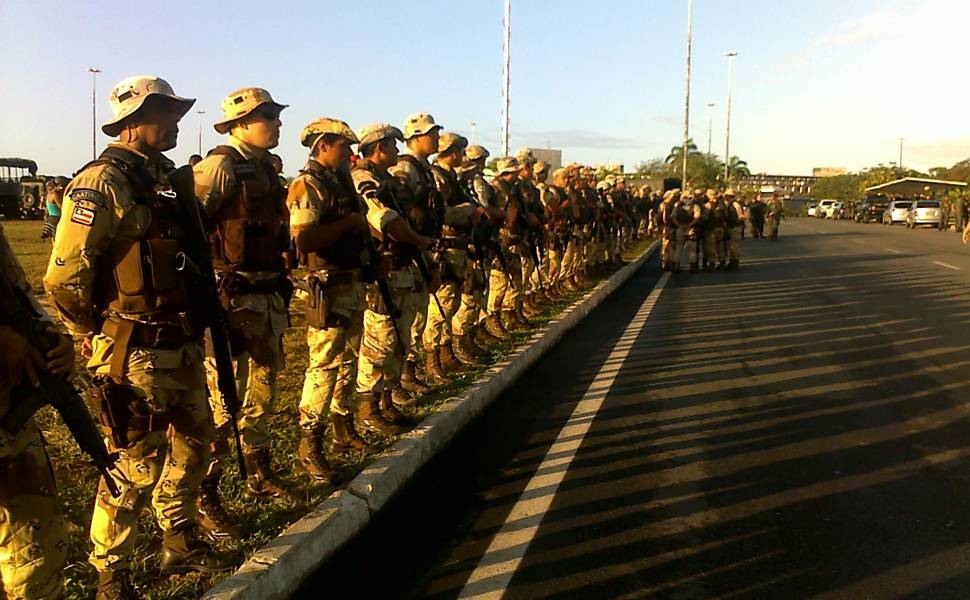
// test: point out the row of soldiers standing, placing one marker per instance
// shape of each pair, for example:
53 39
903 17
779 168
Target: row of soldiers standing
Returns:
415 270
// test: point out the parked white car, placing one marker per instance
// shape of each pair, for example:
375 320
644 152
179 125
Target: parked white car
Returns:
924 212
823 208
834 210
813 210
897 212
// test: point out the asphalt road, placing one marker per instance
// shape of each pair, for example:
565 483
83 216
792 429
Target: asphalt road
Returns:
796 429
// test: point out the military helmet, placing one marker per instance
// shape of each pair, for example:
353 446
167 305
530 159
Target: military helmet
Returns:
508 164
242 102
130 94
324 125
419 124
376 132
476 152
451 141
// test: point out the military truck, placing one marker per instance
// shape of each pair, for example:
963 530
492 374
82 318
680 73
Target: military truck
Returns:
21 190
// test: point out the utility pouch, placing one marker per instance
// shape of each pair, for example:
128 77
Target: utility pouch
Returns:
317 305
124 416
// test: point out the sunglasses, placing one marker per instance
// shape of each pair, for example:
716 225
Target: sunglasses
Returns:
269 114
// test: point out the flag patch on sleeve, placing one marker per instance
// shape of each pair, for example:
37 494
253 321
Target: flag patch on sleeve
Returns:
83 216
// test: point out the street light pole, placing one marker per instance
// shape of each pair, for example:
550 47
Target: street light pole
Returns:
200 113
727 138
507 58
900 163
94 111
710 126
473 125
690 14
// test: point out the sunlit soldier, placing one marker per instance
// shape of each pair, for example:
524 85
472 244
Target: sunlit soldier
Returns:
249 235
142 329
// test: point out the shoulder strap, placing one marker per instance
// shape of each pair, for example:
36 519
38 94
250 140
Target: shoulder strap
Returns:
129 163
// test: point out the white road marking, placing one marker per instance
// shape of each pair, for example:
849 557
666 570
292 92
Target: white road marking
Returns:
893 251
500 561
945 265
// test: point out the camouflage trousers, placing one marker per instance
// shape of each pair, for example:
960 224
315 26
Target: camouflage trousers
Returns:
166 459
33 539
381 354
257 323
772 228
551 267
473 299
672 246
530 280
331 372
734 243
713 246
503 296
437 330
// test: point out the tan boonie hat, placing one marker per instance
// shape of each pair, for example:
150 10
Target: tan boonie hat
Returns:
542 167
671 194
129 95
509 164
449 141
324 125
560 172
240 103
476 152
610 180
602 185
376 132
419 124
525 156
730 192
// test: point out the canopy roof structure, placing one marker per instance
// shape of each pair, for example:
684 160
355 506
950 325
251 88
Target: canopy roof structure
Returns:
912 186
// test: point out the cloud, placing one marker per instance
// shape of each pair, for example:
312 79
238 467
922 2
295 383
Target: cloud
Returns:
933 153
866 28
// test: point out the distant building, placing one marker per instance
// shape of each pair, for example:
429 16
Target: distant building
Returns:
787 185
828 171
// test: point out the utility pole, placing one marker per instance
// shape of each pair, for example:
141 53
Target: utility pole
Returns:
473 125
200 113
710 126
94 111
507 58
727 137
690 14
900 163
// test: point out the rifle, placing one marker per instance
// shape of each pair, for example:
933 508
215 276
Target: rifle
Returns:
373 264
386 195
182 182
528 233
20 315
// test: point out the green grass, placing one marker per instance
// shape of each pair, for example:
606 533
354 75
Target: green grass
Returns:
261 520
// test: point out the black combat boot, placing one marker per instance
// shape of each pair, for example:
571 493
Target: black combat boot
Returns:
184 552
732 266
370 416
115 585
345 437
410 381
392 414
214 521
260 480
313 459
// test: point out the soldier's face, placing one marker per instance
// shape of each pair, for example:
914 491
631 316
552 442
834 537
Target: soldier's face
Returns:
261 128
155 124
333 154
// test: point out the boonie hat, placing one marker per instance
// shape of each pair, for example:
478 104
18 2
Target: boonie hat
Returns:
419 124
376 132
240 103
324 125
129 95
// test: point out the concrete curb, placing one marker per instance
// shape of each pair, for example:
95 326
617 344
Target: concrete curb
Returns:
277 569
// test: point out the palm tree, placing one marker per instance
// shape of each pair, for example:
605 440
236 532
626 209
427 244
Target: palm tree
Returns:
677 153
738 167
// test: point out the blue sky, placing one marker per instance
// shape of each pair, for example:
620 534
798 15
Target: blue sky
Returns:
821 83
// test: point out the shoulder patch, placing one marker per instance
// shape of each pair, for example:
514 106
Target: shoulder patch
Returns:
83 216
89 196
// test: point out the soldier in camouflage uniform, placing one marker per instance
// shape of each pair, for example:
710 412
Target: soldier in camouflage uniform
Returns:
383 348
143 331
238 186
557 206
504 288
33 539
734 226
418 196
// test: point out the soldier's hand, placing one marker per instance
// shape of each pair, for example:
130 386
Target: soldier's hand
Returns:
60 359
966 235
87 347
18 359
